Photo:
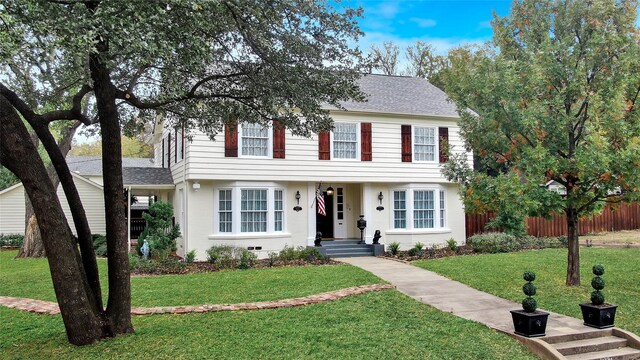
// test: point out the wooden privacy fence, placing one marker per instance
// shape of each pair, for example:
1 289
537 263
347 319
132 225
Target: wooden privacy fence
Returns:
620 217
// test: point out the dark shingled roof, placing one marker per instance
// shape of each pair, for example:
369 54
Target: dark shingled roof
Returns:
402 95
146 176
92 165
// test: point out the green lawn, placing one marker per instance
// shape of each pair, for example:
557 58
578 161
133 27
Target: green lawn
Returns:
501 275
382 324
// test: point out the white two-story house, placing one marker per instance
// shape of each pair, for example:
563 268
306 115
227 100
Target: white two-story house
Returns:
257 187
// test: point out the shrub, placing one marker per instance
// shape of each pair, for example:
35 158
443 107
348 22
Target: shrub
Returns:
273 257
160 231
190 256
308 254
394 248
417 249
227 257
170 265
597 297
493 243
529 304
99 244
139 264
452 244
11 240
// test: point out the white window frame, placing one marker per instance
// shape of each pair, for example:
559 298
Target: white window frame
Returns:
179 141
436 144
358 143
269 143
166 147
236 208
394 209
410 189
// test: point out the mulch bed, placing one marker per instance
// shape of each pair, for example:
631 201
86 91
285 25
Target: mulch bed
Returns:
431 253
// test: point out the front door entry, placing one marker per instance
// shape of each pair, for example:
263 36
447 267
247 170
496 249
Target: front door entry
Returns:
324 224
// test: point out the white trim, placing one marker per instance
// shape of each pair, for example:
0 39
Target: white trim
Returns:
10 188
269 143
358 143
436 151
243 236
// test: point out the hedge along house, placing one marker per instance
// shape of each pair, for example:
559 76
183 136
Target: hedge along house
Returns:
256 187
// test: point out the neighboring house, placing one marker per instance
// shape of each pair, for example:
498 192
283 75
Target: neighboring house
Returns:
256 187
139 176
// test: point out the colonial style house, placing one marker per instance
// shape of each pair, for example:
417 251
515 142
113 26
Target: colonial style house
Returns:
261 187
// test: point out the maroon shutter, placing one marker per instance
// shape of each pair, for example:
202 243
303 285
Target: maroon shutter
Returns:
163 141
365 141
406 143
169 149
443 135
324 146
231 139
278 140
175 140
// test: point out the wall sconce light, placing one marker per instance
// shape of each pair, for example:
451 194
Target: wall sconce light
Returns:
380 197
297 207
329 191
196 186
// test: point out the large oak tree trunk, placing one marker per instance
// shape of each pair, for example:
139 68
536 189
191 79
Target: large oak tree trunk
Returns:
32 247
573 254
84 325
119 304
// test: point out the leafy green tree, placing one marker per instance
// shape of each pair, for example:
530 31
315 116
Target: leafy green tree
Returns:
7 178
160 231
555 97
197 64
132 147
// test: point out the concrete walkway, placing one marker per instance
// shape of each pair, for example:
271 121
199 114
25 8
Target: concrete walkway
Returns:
456 298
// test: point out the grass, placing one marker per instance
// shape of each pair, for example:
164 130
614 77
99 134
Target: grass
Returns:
617 237
501 275
383 324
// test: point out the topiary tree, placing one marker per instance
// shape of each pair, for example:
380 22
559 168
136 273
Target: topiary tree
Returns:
529 304
597 297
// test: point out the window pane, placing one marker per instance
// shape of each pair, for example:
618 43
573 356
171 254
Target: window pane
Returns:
224 211
442 210
399 210
345 141
423 209
253 210
255 140
278 210
424 144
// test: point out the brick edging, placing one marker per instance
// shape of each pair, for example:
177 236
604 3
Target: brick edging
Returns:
51 308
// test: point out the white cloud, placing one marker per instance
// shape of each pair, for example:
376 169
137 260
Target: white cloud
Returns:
423 23
441 45
388 10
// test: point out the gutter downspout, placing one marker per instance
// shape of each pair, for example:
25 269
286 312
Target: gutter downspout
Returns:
129 218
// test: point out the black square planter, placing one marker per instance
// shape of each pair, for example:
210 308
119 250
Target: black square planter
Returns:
599 316
529 324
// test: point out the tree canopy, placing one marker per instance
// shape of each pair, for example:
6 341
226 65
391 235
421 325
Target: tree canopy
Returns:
554 97
123 64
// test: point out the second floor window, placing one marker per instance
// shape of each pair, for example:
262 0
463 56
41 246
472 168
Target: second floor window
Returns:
345 141
254 140
424 140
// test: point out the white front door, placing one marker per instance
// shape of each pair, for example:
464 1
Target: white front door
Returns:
340 213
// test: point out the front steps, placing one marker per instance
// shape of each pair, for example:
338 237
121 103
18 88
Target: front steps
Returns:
345 248
610 344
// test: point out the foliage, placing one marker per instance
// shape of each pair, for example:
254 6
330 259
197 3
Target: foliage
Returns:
7 178
304 253
597 283
228 257
190 257
394 248
11 240
452 244
503 242
498 274
421 60
160 231
100 244
132 147
553 99
417 249
529 304
142 265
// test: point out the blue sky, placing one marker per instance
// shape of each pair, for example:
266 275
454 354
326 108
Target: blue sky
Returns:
443 23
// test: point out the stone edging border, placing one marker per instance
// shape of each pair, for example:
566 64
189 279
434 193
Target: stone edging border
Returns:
51 308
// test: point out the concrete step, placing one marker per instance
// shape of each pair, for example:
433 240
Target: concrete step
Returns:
623 353
339 255
578 336
348 248
590 345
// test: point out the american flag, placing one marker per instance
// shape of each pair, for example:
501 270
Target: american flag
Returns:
320 201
